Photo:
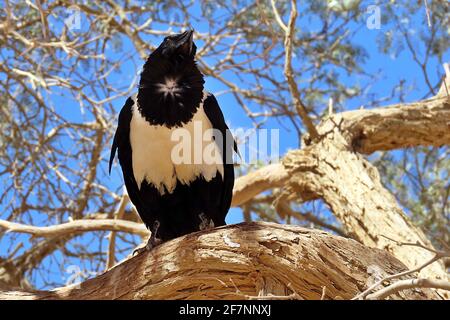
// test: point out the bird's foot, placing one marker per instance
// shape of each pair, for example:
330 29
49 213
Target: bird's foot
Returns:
151 243
148 247
205 224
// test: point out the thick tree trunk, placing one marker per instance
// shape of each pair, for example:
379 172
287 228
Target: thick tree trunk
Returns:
351 186
334 170
242 261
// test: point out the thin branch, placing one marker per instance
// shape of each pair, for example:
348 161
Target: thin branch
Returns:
427 10
111 260
409 284
277 17
76 226
289 73
285 210
324 293
445 82
252 184
330 106
438 255
292 296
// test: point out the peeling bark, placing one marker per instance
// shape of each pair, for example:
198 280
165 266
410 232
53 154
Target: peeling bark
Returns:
423 123
240 262
352 188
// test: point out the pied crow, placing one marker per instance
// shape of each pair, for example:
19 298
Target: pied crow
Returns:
174 198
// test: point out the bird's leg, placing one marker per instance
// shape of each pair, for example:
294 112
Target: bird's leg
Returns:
205 224
152 242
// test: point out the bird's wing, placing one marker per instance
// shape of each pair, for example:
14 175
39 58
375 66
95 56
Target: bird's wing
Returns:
121 143
122 135
214 114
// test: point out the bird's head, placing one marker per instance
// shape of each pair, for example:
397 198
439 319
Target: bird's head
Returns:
178 47
171 85
175 55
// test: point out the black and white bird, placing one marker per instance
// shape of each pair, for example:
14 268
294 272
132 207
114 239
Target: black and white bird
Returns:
173 198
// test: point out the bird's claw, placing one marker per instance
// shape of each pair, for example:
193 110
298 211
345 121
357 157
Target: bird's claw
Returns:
151 243
139 250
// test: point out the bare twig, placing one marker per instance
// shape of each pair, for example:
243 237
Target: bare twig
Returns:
292 296
407 283
277 16
252 184
324 293
427 10
289 73
284 208
111 260
76 226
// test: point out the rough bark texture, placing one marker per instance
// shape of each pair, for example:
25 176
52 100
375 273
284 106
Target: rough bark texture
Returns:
351 186
239 262
424 123
335 171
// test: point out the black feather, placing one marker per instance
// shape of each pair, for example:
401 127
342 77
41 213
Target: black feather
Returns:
123 129
215 115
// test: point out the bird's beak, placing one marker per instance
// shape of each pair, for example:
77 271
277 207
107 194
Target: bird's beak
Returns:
184 42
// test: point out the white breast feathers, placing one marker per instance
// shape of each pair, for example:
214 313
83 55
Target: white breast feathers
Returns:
162 155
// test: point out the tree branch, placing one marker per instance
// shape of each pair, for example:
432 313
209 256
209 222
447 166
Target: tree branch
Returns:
245 261
409 284
111 260
289 73
252 184
277 16
352 188
438 255
77 226
423 123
